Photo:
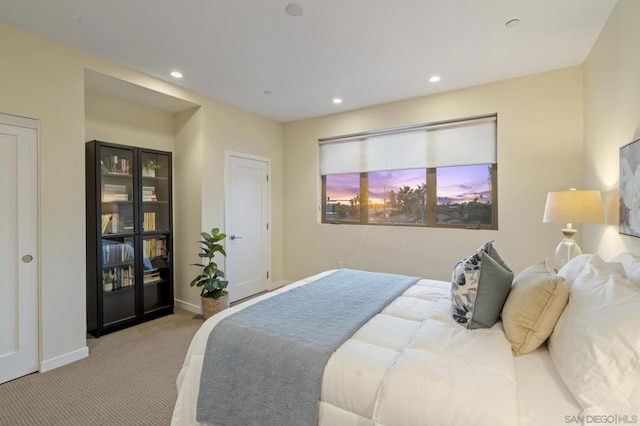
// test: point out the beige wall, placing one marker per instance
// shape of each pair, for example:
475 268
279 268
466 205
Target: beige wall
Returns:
44 80
260 137
612 119
187 199
539 129
112 119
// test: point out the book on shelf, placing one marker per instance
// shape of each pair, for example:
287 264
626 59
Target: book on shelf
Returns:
127 226
111 223
115 187
114 192
150 221
151 277
154 247
115 197
123 277
149 193
112 164
116 252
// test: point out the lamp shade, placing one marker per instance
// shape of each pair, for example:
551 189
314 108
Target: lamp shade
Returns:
574 207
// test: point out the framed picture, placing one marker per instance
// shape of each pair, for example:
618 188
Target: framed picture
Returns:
629 192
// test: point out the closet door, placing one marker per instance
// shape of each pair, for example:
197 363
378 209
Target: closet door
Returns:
18 247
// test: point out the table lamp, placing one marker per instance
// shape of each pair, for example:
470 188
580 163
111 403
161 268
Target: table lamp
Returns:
572 207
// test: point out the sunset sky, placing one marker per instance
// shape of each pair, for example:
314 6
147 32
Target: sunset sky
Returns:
455 184
463 184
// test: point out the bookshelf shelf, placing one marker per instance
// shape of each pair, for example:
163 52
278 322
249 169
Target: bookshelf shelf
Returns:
155 232
118 290
129 236
117 175
117 265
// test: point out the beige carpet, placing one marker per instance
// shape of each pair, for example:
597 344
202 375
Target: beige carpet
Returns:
128 379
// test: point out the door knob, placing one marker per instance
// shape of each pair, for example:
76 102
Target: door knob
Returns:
234 237
27 258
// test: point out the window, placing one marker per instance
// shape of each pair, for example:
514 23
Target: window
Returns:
398 197
441 174
342 197
465 195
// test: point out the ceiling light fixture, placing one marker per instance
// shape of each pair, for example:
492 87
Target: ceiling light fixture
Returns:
176 74
267 92
337 100
434 78
512 23
294 9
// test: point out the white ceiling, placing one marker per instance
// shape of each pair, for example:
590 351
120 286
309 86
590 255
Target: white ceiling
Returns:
366 52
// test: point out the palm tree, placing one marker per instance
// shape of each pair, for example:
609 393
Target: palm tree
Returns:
405 195
392 198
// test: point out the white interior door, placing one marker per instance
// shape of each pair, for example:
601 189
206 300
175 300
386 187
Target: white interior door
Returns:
247 225
18 247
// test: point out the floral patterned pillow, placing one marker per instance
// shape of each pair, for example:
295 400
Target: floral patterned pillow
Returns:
479 287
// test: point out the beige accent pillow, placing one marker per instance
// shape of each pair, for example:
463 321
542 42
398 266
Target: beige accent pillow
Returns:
535 303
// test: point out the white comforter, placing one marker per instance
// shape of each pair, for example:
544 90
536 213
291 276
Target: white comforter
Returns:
409 365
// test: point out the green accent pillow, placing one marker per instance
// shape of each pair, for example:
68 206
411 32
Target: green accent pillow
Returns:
479 287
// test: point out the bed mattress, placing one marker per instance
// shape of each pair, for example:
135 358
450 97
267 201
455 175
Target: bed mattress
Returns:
412 364
543 399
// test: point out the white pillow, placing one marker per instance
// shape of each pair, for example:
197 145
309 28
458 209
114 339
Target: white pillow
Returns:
631 265
595 345
573 268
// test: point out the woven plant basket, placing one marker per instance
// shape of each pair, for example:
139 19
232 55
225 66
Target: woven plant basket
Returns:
210 306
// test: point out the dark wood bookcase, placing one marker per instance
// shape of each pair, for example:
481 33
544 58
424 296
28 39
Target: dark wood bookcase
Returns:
129 236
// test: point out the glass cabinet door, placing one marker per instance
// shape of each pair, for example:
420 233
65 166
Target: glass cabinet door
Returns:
157 272
118 279
156 187
116 170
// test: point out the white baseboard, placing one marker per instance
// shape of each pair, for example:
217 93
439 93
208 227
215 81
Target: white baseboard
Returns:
188 306
279 284
197 309
65 359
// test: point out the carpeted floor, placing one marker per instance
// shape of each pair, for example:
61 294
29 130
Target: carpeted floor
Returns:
129 378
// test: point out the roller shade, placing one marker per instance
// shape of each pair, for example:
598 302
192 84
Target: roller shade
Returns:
458 143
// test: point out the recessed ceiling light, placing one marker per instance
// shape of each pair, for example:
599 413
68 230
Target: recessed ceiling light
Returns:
434 78
337 100
512 23
176 74
294 9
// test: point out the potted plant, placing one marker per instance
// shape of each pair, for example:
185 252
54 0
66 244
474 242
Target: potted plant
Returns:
107 280
213 295
149 168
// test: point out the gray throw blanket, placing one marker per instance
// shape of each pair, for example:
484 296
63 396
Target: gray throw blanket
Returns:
264 364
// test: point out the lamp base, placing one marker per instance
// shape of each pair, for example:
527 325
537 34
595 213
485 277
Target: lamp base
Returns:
567 249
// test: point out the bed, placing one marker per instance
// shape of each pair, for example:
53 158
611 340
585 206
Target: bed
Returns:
414 364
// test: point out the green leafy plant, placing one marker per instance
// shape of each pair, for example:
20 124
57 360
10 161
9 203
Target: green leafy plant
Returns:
150 165
107 277
211 279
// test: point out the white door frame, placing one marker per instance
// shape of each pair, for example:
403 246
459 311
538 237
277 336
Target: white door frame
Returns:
34 124
227 213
